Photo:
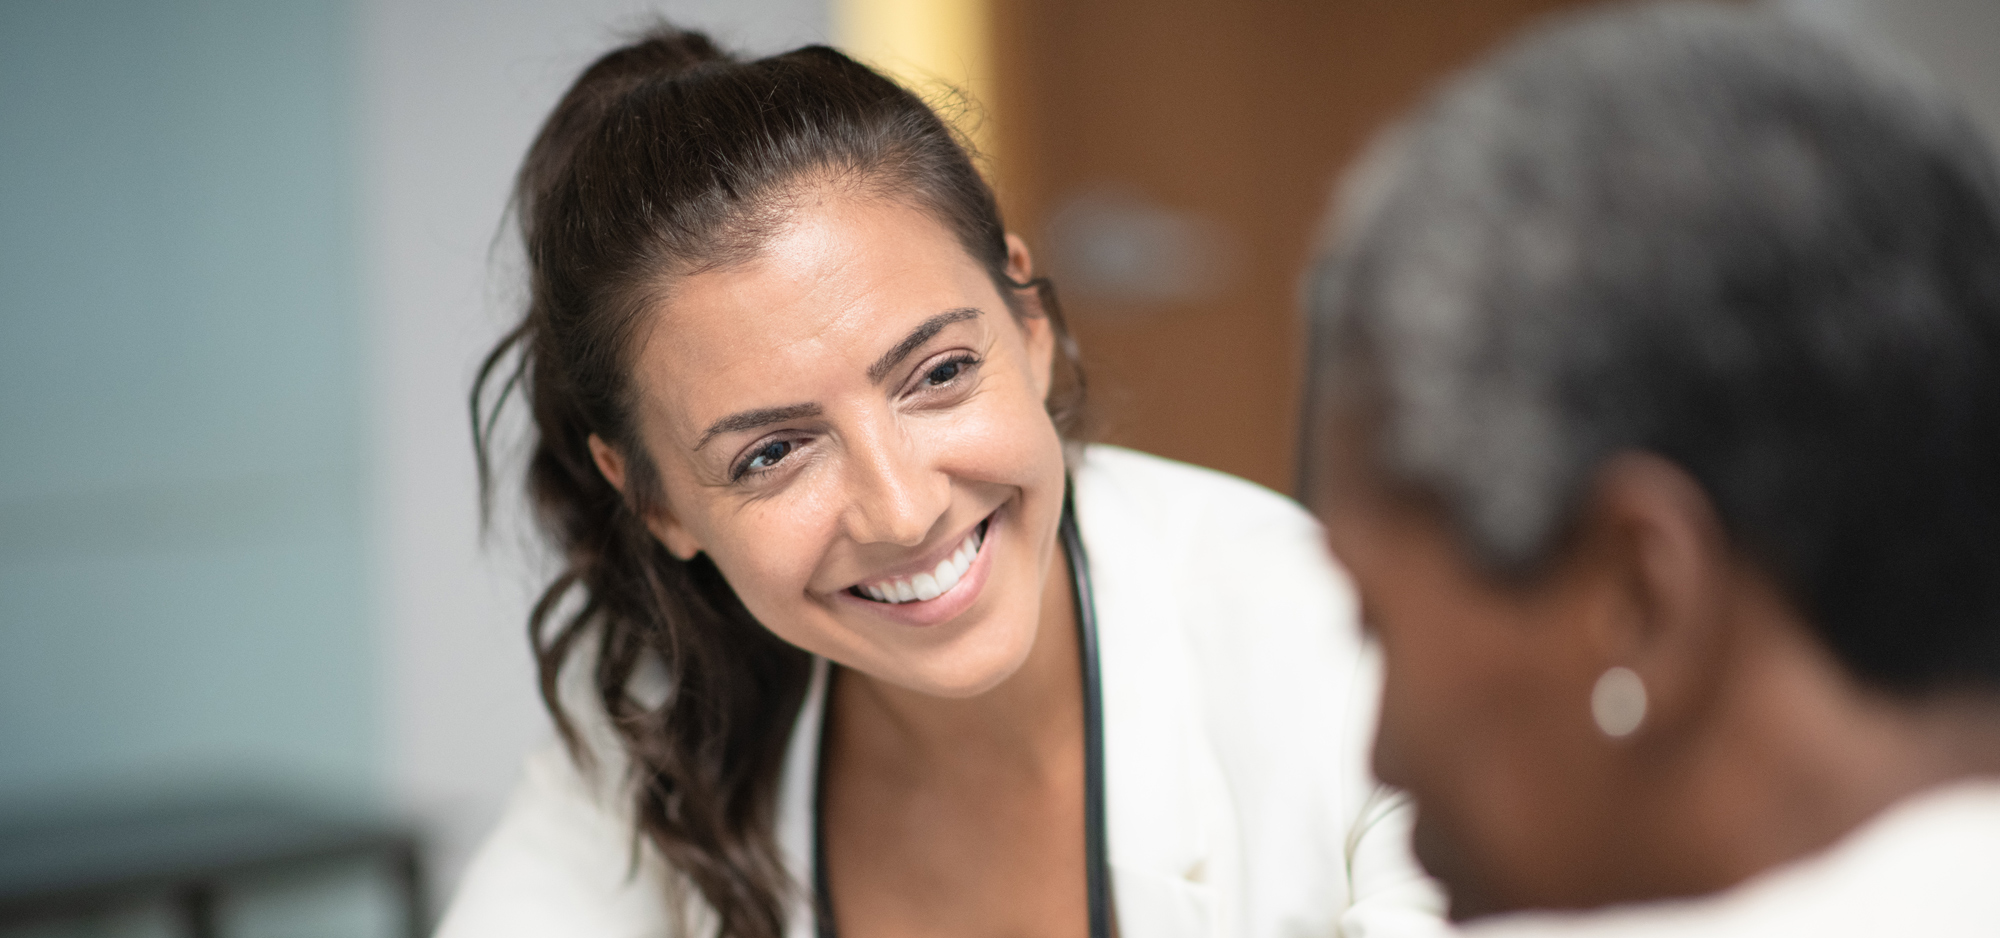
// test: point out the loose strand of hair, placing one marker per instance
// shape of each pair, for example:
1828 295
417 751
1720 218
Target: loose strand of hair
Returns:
484 420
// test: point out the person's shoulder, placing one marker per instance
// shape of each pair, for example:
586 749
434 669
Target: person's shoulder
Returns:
1106 464
1243 563
1922 867
562 861
1190 500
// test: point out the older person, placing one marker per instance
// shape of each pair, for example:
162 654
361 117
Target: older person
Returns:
1656 411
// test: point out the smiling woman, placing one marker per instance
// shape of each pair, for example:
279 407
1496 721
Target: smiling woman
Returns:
853 606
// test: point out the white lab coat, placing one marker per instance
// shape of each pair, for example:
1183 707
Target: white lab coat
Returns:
1929 866
1238 710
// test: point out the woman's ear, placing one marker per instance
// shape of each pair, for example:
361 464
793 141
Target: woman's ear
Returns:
610 462
1040 332
1668 558
678 540
1020 264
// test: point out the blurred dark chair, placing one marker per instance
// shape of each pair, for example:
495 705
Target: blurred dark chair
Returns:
188 856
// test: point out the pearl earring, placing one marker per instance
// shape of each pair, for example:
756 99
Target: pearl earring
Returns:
1618 702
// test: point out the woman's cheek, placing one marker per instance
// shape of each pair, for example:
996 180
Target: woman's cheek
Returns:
993 447
1015 429
775 546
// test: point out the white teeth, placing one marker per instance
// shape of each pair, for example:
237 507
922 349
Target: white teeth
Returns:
930 584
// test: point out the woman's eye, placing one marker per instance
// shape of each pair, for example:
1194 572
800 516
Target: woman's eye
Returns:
947 372
766 456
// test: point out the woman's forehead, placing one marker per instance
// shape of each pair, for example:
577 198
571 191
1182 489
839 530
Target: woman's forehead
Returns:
836 263
840 283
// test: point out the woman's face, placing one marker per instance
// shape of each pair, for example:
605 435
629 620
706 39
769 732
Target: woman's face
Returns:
1485 715
851 426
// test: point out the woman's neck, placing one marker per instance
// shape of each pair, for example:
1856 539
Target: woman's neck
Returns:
1032 720
1811 754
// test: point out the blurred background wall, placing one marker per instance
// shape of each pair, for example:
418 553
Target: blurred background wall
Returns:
250 255
182 536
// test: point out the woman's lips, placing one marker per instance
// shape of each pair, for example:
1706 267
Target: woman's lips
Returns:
931 584
950 601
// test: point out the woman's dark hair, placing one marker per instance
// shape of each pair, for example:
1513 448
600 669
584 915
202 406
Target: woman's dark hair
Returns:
668 157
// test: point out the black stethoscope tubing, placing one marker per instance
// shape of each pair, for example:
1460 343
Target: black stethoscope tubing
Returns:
1097 867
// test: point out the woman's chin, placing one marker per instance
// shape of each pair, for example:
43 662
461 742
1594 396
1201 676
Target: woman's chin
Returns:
965 672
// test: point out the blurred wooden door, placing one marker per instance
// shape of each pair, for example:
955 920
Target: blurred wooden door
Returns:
1169 160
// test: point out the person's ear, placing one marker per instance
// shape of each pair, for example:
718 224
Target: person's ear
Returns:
1668 570
1020 264
1040 331
678 540
610 462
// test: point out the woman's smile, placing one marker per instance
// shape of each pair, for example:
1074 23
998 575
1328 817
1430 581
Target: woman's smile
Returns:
935 589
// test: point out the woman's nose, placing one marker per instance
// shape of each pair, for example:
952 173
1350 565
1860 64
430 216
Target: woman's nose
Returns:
895 496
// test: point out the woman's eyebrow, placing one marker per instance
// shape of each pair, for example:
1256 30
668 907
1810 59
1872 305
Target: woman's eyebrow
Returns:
917 337
752 419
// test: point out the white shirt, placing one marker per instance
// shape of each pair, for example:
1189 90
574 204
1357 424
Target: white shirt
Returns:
1929 866
1239 707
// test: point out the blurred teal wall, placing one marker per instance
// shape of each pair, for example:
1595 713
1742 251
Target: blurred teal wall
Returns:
183 599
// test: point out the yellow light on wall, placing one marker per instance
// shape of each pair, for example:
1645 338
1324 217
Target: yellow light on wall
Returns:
937 48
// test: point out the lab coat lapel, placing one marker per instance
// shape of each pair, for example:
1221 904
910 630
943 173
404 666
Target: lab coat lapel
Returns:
1169 821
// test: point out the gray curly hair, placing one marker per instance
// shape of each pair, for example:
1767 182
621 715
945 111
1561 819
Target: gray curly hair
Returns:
1703 232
